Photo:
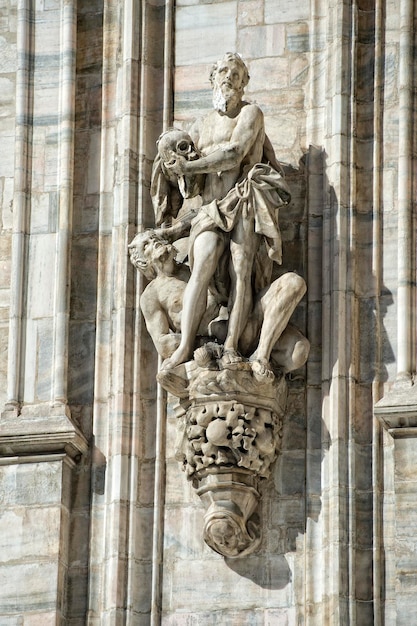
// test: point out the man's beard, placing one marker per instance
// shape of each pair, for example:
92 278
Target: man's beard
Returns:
223 99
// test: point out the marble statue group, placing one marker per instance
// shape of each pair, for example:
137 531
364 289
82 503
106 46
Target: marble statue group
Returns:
216 316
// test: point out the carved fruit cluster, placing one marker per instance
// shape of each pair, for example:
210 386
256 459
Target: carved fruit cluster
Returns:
228 433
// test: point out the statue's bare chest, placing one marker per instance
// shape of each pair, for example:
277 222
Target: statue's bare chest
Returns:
170 294
215 131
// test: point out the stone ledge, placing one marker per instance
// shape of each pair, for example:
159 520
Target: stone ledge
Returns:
397 411
40 429
36 458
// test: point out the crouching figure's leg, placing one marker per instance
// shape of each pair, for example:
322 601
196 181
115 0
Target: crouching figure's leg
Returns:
208 248
277 305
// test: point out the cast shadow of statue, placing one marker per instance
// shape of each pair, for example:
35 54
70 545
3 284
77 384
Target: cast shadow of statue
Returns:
310 228
283 498
293 494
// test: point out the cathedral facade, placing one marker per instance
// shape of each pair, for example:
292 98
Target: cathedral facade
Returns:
98 523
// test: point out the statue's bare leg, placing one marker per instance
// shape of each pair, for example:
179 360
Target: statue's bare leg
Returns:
277 305
243 246
208 248
291 350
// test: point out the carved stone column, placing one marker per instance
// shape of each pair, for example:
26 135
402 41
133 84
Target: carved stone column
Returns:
40 441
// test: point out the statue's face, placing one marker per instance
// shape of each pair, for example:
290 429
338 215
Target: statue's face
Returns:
229 76
149 251
156 249
179 142
225 536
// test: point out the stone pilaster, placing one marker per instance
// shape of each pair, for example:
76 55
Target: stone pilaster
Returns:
124 419
40 443
34 525
38 451
397 412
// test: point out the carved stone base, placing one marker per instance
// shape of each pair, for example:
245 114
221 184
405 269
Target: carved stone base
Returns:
229 434
231 524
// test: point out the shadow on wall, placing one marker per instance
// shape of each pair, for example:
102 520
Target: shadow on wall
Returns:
283 503
99 466
275 574
294 493
355 355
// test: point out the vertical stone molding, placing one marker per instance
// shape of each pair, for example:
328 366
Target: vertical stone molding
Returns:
40 443
21 199
406 186
124 571
396 412
332 120
43 205
65 186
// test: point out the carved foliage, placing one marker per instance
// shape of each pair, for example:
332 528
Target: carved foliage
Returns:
228 433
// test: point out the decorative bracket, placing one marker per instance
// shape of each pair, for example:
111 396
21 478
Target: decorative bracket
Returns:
229 434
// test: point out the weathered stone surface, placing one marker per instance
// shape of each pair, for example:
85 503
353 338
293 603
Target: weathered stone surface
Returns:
34 523
225 444
332 84
193 24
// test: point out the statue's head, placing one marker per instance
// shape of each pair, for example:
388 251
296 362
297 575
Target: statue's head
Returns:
148 252
228 77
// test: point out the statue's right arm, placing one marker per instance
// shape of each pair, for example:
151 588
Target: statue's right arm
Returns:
179 229
157 324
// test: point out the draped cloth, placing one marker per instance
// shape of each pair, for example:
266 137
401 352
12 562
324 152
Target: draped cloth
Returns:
258 195
165 192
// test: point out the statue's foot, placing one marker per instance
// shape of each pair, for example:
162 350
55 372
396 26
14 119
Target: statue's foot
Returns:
174 380
262 370
178 357
230 359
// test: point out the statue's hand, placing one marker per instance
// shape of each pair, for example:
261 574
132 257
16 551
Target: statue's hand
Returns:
177 164
163 233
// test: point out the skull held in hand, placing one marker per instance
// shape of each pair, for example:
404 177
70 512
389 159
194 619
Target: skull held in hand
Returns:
179 142
175 142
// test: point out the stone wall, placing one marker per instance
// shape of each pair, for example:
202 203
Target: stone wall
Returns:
89 502
7 132
35 527
267 587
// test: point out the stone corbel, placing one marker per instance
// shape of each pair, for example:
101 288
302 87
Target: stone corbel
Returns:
229 434
39 430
